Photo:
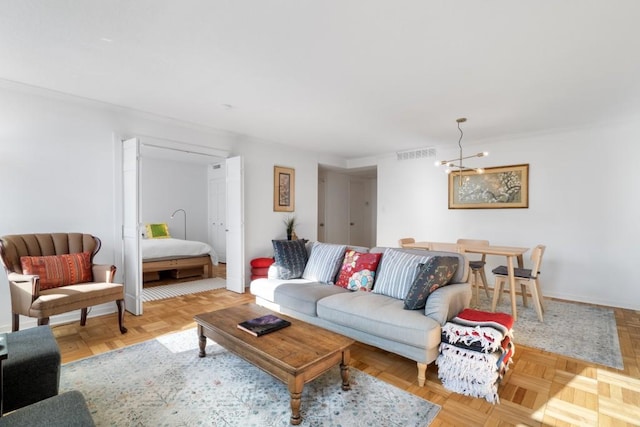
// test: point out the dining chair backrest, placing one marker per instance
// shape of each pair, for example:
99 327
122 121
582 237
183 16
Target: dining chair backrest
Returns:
473 242
406 240
536 259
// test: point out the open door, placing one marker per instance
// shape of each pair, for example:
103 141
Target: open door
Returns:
131 225
235 225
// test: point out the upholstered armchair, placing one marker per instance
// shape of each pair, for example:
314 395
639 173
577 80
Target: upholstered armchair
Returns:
54 273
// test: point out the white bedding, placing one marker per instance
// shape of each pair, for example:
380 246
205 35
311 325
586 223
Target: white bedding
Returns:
172 248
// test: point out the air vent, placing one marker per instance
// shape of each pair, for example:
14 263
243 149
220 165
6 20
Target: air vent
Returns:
216 166
421 153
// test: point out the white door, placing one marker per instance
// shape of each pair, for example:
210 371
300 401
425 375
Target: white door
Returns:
356 214
217 217
235 225
131 225
321 210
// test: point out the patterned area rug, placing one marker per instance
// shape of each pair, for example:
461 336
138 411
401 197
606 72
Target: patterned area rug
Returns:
163 382
153 293
576 330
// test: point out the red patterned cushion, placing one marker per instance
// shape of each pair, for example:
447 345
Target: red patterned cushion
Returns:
59 270
262 262
358 270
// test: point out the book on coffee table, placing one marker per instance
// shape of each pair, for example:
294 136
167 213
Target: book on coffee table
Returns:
263 325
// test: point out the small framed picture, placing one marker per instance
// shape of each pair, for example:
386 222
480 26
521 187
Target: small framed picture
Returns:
284 189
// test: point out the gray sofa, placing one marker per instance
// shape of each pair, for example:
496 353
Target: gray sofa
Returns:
372 318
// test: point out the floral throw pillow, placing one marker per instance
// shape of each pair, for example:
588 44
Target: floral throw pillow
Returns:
358 270
434 274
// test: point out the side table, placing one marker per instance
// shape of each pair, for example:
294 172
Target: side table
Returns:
3 356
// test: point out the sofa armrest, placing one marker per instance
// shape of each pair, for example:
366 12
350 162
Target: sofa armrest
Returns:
103 272
34 279
447 301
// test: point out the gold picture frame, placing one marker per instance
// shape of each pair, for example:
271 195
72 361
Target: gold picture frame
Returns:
284 189
497 188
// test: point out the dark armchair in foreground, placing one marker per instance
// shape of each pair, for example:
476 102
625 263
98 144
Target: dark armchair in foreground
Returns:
54 273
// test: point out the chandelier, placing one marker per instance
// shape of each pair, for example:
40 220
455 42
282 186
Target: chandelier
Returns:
456 164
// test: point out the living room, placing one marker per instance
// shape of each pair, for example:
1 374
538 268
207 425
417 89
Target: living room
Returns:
56 144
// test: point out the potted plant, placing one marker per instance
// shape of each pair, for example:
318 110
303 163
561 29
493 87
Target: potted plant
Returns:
290 224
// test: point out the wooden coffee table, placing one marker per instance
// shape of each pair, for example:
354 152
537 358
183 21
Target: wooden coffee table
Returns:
295 355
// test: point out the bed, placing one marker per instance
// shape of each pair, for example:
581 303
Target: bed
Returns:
182 258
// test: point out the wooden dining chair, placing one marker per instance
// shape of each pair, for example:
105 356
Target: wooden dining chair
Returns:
478 275
524 277
406 240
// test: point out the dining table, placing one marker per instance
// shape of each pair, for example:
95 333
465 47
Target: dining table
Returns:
512 253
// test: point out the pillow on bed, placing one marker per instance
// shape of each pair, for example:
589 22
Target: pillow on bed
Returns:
157 231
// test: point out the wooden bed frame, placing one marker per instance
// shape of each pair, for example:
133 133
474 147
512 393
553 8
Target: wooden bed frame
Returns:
151 268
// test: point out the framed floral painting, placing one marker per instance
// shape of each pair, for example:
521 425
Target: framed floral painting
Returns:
496 188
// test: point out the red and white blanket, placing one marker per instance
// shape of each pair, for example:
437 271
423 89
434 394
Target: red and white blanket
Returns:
475 353
478 329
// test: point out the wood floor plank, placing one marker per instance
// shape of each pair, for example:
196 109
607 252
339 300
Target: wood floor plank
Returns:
541 388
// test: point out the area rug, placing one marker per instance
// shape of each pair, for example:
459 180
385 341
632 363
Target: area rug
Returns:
163 382
153 293
576 330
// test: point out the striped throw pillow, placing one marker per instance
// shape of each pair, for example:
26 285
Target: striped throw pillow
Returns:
59 270
324 262
396 273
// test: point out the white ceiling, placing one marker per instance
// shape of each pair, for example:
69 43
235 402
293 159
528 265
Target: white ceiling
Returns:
353 78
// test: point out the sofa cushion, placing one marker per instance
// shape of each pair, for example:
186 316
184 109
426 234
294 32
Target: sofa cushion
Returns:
266 288
59 270
303 298
324 262
396 273
291 258
381 316
435 273
358 270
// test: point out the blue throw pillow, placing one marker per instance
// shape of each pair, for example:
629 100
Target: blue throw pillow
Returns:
434 274
291 258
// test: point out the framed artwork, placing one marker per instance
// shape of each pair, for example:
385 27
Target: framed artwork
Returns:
284 189
497 188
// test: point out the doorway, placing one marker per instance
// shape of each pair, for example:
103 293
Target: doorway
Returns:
130 191
347 205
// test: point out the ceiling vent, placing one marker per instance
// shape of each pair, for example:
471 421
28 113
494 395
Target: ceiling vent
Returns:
421 153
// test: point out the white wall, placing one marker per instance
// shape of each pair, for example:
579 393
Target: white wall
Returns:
582 205
57 169
170 185
262 224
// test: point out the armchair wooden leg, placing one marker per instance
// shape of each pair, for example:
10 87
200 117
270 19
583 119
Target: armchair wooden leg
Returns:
120 304
83 316
15 322
43 321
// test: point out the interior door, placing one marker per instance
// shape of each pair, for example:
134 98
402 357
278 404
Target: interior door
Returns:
131 225
235 225
356 214
321 209
217 217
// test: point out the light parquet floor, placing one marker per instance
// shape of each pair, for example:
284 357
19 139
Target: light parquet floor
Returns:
540 389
